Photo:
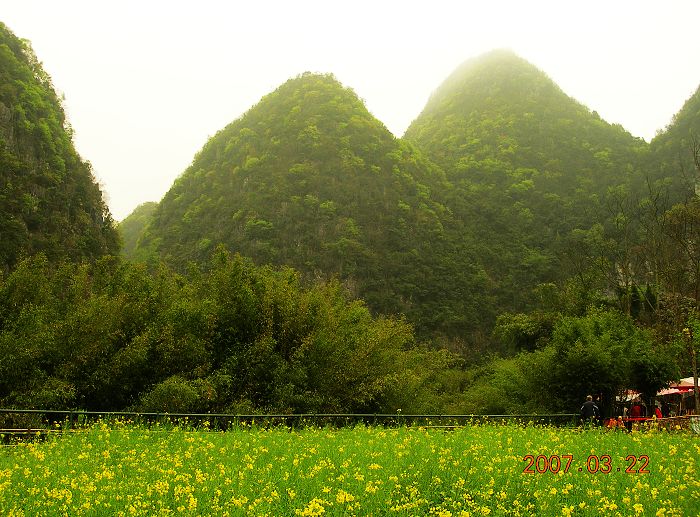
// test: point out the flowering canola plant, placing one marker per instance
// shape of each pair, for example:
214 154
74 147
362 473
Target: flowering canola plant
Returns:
125 470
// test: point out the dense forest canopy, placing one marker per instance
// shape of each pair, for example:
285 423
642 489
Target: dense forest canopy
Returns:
308 260
227 337
674 150
49 199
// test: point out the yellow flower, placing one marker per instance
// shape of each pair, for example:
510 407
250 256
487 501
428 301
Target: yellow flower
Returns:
344 497
314 508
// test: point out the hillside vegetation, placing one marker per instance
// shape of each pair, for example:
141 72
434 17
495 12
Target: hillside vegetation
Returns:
310 179
133 226
487 198
230 337
674 151
529 168
49 199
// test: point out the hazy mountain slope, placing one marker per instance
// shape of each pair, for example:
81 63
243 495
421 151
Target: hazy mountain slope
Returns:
528 164
133 226
673 149
49 200
309 178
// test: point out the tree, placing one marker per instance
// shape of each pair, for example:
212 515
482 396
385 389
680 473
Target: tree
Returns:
676 259
605 352
690 339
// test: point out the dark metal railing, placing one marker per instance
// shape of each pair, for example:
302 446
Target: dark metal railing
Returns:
45 419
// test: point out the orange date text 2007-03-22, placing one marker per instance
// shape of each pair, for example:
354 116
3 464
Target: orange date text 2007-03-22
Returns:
603 464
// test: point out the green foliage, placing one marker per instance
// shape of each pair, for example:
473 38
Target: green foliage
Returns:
173 395
523 332
528 205
511 386
524 187
593 354
602 352
672 158
49 199
114 335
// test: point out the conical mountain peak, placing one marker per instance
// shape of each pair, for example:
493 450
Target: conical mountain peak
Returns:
310 179
529 164
495 79
500 106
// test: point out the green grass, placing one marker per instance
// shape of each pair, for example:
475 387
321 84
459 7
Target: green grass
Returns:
119 469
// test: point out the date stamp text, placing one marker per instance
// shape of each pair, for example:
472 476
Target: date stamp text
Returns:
594 464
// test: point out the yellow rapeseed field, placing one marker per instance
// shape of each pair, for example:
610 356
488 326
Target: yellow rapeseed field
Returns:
123 470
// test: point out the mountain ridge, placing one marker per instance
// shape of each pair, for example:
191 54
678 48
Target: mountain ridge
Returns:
310 179
511 171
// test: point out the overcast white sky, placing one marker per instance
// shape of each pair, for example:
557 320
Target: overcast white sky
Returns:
148 82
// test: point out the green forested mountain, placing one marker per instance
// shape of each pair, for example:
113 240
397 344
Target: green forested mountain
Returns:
676 150
309 178
133 226
49 200
528 165
517 175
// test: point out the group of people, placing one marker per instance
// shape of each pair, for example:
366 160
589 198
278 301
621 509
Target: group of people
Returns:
591 415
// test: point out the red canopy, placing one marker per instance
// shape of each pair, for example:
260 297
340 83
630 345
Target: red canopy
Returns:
674 390
684 386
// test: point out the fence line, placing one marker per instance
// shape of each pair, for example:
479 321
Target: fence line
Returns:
44 419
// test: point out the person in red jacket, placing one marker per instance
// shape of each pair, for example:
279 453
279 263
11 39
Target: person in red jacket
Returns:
657 412
636 411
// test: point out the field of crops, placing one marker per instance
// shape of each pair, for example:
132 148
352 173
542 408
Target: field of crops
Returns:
121 469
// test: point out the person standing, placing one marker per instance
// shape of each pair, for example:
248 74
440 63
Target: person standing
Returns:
636 414
637 410
589 412
665 409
